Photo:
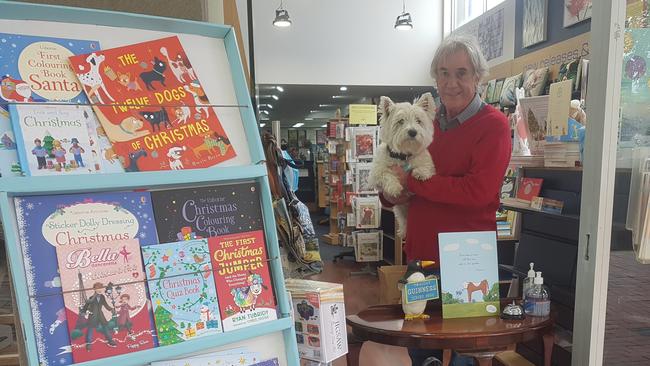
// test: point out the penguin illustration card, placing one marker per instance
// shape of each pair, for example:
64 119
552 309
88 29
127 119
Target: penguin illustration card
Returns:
183 294
469 274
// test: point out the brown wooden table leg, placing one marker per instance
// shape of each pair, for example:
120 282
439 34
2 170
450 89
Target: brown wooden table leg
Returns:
548 347
446 357
484 360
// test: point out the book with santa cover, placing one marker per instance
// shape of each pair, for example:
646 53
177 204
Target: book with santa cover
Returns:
241 274
152 106
182 290
105 299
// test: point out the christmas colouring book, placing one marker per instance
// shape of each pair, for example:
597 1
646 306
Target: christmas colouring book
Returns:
105 299
207 211
153 107
45 222
241 274
182 290
35 70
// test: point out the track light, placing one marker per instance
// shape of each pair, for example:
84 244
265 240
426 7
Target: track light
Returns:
282 19
404 21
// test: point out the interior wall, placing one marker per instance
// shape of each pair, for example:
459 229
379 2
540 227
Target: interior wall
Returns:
555 28
346 42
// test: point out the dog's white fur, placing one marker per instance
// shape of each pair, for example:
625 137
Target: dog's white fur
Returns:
174 154
93 78
406 129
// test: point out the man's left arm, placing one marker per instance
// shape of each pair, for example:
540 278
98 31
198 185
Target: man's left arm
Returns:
490 158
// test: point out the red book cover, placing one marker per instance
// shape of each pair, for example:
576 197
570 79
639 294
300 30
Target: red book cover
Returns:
529 188
152 106
105 299
241 274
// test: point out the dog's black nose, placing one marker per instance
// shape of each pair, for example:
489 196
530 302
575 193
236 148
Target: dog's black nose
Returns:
413 133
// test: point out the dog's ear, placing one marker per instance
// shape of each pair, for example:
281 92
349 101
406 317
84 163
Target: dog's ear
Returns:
426 102
385 106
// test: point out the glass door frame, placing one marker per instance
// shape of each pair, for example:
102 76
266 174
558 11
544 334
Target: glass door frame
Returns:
604 89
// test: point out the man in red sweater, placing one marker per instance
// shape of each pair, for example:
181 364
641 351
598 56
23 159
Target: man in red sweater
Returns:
470 150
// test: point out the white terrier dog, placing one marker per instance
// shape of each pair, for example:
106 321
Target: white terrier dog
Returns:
406 130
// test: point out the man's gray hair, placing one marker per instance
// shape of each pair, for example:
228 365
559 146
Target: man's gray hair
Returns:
465 43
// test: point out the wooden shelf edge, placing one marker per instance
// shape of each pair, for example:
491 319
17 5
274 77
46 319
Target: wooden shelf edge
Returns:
530 210
7 319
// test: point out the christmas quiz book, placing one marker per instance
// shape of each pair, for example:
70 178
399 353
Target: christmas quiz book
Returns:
46 222
105 298
153 107
182 289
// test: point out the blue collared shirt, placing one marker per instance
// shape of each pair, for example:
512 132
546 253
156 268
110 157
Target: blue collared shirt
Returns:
474 107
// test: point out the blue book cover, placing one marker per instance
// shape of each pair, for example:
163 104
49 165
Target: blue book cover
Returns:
469 274
35 69
45 222
182 290
571 136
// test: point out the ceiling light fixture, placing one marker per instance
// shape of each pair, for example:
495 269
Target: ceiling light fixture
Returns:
325 125
282 19
309 119
270 105
262 125
280 89
313 111
343 88
267 112
404 21
299 124
275 97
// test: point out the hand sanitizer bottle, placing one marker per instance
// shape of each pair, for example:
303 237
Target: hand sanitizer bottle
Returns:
538 300
528 281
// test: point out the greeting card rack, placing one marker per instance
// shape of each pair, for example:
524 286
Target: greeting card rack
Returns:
213 44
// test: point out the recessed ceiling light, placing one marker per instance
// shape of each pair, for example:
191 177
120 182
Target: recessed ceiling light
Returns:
343 88
280 89
267 112
262 124
309 119
270 106
326 105
299 124
325 125
275 97
314 111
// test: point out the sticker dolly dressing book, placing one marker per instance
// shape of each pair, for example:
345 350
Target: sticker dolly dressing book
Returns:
46 222
153 107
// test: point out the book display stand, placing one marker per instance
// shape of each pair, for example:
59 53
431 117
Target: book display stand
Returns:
215 57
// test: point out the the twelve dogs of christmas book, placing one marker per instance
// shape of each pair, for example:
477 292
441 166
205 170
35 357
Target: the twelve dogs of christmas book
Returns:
152 106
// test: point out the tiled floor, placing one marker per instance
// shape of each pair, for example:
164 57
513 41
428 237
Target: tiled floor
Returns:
627 332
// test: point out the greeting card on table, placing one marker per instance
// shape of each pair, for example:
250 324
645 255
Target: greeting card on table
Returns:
190 213
153 107
469 274
35 69
105 298
46 222
241 273
56 139
182 290
529 188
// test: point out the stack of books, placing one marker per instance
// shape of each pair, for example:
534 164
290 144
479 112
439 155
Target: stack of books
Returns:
527 161
562 154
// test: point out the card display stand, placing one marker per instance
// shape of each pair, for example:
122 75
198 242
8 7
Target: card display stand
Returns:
215 57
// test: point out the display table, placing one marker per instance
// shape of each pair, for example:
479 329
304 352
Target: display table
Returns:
481 338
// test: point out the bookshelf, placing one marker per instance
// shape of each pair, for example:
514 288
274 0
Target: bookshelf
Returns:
217 58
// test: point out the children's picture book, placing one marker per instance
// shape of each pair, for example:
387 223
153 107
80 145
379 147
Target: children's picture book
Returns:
56 139
35 69
368 246
559 101
105 298
240 356
534 111
529 188
46 222
192 213
364 142
152 106
469 274
367 211
362 175
182 290
508 186
241 273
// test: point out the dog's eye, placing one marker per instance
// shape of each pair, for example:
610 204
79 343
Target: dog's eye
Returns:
419 121
400 122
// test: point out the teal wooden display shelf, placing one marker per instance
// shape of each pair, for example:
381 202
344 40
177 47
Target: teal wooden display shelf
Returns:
11 187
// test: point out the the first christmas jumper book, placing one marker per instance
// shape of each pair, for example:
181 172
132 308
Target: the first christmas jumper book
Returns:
241 273
105 298
36 70
182 290
45 222
152 106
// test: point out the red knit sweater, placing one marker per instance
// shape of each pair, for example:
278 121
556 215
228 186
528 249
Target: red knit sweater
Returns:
470 162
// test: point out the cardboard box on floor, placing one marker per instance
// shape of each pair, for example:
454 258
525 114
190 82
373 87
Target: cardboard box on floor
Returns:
388 277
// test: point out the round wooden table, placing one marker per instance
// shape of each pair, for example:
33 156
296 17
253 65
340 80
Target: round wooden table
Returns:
481 338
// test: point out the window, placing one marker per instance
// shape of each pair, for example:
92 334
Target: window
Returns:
466 10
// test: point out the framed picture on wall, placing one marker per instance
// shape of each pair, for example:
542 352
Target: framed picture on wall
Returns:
575 11
292 139
535 19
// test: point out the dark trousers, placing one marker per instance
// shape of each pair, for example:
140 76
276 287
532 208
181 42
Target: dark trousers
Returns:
418 356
